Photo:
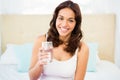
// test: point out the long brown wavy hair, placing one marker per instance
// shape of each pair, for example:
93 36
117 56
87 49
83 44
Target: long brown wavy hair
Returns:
76 35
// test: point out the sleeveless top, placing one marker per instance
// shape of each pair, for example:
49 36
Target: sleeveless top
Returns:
60 70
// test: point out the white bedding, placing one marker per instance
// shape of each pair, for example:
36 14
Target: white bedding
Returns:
9 72
105 71
10 64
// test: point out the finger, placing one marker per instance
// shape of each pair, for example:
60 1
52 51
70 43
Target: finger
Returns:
42 54
43 57
42 62
40 49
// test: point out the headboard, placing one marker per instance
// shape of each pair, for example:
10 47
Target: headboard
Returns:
98 28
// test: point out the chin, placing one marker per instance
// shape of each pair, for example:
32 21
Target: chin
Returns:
63 34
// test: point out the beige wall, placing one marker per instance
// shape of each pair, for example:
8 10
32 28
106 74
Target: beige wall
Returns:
98 28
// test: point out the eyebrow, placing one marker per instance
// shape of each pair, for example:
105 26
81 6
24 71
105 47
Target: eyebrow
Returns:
68 18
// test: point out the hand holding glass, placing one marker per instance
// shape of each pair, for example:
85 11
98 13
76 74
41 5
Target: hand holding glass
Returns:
47 48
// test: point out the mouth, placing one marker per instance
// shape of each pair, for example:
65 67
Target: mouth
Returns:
63 29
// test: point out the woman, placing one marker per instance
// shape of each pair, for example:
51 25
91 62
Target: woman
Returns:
70 54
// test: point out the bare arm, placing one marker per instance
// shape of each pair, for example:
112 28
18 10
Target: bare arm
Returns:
36 68
83 54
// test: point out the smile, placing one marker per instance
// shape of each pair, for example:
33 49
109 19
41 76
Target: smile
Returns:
62 29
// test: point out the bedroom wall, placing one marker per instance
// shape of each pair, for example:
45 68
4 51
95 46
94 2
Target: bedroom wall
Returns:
19 29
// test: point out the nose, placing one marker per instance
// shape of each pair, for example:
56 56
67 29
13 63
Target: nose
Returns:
64 23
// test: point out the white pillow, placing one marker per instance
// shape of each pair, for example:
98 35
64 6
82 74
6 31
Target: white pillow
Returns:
97 59
9 57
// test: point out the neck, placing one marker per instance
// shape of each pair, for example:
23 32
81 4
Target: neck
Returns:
65 38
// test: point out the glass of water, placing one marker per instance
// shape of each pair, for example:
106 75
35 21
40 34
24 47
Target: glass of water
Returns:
47 48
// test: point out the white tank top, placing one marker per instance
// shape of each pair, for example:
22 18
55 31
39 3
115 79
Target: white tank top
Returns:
60 70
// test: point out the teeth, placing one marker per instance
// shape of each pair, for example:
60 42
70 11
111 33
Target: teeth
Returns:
64 29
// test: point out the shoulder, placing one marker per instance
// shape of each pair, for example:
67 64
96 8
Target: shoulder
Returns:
83 50
39 39
83 46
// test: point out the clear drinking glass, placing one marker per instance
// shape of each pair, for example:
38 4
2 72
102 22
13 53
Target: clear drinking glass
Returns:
47 48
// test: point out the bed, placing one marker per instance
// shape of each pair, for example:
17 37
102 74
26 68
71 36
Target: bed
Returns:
105 71
9 72
17 45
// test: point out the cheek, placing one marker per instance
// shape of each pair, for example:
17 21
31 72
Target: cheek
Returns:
57 24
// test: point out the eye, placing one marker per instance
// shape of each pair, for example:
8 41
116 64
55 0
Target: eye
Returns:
60 18
71 20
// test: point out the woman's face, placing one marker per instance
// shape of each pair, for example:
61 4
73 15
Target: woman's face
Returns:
65 22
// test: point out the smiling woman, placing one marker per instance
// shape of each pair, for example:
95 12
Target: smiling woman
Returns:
68 49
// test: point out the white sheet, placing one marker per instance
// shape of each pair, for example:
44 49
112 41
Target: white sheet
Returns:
105 71
9 72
